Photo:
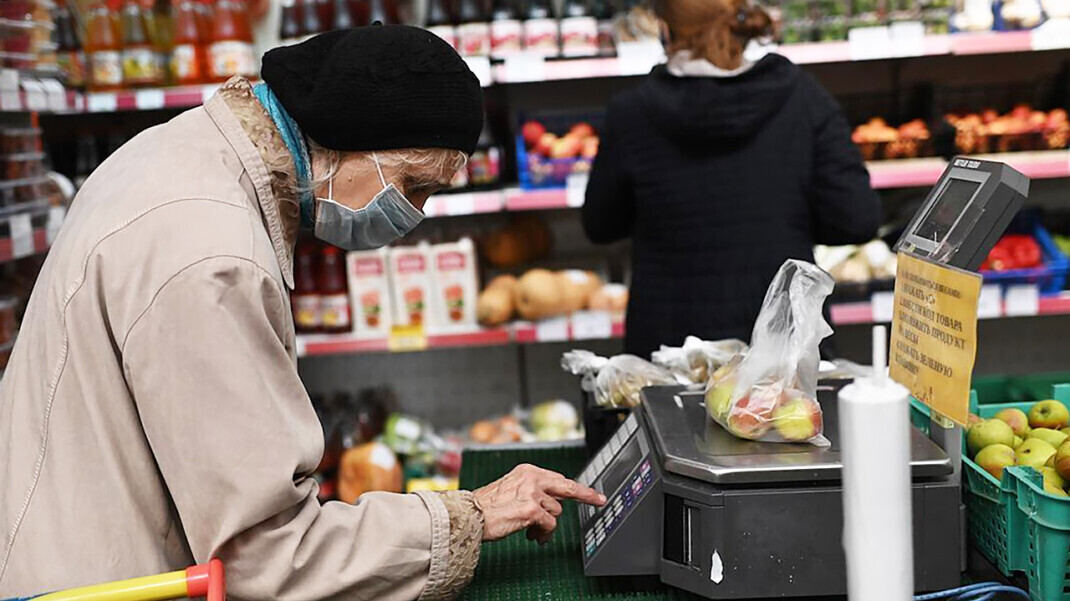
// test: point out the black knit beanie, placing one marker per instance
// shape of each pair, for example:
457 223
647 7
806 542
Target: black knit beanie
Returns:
381 87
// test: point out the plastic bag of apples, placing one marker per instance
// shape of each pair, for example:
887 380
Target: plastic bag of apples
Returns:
769 393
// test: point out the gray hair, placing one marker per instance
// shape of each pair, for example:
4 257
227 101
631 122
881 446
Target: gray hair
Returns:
433 159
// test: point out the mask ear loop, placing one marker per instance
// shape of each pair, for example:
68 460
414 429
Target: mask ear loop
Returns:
330 189
382 179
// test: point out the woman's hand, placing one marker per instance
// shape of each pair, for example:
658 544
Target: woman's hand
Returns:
528 497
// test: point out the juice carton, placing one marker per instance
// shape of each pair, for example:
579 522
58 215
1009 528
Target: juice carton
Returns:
456 285
369 293
412 279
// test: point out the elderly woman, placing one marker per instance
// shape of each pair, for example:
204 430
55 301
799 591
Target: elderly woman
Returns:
152 415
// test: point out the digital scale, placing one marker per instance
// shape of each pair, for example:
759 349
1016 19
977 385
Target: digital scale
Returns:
727 518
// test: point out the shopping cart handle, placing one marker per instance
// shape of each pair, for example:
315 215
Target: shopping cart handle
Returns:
205 580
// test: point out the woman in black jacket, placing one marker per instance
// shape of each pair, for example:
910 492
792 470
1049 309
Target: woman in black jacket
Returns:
719 169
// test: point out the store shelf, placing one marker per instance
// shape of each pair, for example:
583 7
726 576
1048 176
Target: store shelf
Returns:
465 203
552 330
864 312
907 173
40 245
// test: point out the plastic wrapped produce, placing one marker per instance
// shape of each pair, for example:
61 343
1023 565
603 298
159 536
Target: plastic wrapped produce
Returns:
770 394
615 382
693 362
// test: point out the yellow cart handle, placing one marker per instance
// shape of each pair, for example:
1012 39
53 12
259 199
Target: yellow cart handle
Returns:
205 580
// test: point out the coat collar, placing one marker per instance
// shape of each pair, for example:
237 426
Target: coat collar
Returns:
262 152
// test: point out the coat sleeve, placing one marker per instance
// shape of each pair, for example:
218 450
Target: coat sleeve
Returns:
609 206
846 208
236 439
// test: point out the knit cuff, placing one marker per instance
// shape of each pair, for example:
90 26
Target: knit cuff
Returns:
453 569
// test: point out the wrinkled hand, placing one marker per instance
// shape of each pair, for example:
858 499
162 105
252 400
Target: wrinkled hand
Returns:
528 497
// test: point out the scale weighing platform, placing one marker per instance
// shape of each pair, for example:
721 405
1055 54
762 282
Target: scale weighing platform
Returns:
733 519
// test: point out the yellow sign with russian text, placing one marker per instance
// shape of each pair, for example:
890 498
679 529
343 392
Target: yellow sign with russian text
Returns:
934 334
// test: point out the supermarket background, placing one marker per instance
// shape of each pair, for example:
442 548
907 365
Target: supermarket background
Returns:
407 341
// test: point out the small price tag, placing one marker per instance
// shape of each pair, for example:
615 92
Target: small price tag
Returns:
55 222
638 58
57 95
554 329
592 325
407 338
990 302
1052 35
576 189
883 306
147 100
1022 299
480 66
907 38
21 236
525 66
101 103
9 90
36 99
869 43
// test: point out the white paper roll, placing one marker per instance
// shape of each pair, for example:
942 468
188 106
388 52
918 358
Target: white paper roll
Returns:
877 523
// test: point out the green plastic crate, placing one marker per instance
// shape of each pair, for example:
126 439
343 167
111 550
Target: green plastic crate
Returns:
1017 389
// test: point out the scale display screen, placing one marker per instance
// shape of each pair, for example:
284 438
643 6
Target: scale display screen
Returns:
943 213
618 469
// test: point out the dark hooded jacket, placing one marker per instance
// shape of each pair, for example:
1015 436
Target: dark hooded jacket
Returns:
717 181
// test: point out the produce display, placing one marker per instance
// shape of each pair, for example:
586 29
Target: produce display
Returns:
1039 438
878 140
857 264
617 381
526 238
541 293
547 158
1014 251
769 393
549 421
830 20
1021 129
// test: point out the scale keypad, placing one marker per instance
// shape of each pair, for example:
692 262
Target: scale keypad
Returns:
618 506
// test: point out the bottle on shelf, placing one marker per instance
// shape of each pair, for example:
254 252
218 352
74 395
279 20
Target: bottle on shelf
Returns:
604 12
473 33
334 291
161 27
383 11
540 29
310 19
579 29
506 31
484 166
205 17
189 54
289 23
231 49
361 12
325 12
306 300
343 15
69 55
440 21
141 67
103 49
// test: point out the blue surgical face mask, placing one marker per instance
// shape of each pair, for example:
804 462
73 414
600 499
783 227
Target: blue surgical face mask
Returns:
388 217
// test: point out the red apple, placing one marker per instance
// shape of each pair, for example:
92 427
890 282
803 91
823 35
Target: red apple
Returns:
545 144
582 130
752 415
532 132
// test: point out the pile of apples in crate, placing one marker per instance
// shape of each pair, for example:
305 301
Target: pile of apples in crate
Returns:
1038 439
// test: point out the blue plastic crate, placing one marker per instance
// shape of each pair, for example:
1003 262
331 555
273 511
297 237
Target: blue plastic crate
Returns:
536 172
1050 277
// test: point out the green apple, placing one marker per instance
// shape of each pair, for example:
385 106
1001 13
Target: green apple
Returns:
989 432
1052 437
1016 419
1066 430
1049 414
798 419
1062 460
1051 460
1050 475
994 458
1034 453
1017 442
719 398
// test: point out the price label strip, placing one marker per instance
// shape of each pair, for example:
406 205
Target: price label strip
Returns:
576 190
592 325
1022 300
554 329
21 236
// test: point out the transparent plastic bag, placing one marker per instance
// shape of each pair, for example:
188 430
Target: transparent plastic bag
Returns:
697 359
770 393
615 382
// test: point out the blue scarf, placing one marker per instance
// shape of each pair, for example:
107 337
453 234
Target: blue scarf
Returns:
295 143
